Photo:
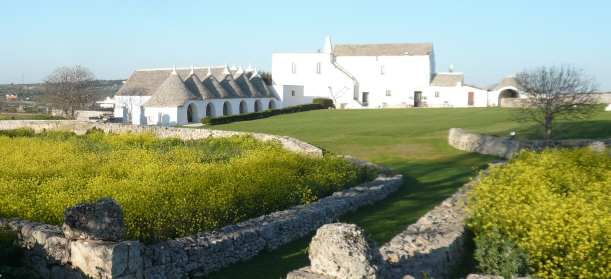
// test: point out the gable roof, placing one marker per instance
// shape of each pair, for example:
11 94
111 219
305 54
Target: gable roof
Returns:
446 79
383 49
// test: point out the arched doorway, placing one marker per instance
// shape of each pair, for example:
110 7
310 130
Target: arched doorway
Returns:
243 107
227 108
508 94
272 104
210 110
191 113
257 105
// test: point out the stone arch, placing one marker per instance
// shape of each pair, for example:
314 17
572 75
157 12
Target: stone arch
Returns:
272 104
508 93
227 108
192 114
210 110
243 107
258 105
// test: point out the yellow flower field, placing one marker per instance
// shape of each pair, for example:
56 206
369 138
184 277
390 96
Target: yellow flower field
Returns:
556 205
166 187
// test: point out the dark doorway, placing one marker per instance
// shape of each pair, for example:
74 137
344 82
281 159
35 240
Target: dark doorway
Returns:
365 99
190 114
470 100
417 99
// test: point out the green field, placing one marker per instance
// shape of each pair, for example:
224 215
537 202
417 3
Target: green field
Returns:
410 141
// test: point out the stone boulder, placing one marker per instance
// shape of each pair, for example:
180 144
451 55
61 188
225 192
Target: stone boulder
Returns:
342 251
103 220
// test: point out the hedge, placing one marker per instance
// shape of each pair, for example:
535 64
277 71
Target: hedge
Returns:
258 115
324 102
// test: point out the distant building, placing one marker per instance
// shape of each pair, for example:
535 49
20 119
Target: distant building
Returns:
108 103
11 97
375 76
172 97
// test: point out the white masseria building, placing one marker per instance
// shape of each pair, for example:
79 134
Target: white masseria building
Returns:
170 97
377 76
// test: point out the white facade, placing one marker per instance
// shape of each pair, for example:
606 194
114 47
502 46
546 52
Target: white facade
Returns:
373 76
170 97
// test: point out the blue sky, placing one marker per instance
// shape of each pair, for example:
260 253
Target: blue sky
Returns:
486 40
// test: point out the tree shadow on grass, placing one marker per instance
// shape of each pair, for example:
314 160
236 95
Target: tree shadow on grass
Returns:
591 129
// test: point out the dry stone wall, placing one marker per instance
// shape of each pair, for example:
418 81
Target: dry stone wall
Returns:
435 245
81 127
508 147
53 255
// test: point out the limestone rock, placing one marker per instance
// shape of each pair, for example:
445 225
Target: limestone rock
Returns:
342 251
103 220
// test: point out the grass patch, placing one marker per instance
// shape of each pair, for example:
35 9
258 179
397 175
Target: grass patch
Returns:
412 142
28 116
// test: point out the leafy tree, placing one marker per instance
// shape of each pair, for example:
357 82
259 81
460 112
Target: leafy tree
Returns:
70 88
266 76
556 93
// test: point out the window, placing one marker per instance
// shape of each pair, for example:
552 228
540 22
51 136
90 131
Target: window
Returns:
293 93
318 67
294 68
436 94
382 70
387 92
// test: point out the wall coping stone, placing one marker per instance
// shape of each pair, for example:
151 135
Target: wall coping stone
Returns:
508 147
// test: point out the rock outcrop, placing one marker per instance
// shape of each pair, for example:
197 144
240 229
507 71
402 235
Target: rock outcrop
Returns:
100 221
342 250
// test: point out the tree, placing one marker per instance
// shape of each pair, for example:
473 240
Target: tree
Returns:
266 76
337 94
70 88
556 93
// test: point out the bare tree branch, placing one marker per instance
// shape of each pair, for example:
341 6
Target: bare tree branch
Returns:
70 88
337 94
556 93
131 99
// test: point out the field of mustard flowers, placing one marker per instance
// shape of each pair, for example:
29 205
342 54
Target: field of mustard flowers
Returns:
554 206
167 187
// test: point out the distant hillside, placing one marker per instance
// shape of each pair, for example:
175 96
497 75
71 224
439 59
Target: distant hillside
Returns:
34 91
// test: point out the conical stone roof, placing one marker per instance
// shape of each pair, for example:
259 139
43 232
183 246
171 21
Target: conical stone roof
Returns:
172 93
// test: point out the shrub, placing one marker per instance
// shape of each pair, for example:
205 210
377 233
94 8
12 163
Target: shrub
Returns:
10 250
497 254
555 206
325 103
258 115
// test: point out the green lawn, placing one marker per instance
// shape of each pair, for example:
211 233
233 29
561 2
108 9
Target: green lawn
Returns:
410 141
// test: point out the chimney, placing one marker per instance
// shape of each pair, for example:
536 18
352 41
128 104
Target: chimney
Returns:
328 47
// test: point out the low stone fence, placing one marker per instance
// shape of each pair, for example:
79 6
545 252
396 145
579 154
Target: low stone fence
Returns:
508 147
434 245
80 127
54 253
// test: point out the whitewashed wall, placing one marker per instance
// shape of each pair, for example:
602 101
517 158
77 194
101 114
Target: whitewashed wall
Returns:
402 76
306 79
458 96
